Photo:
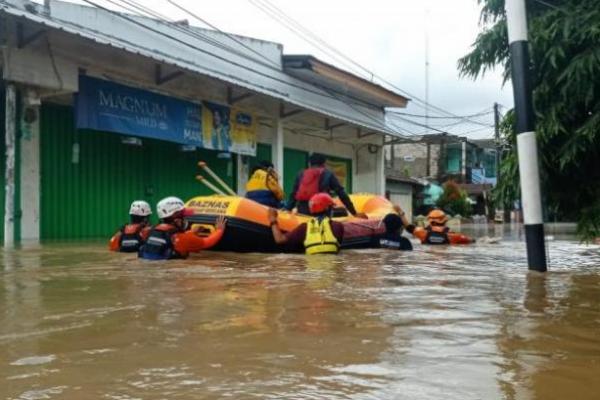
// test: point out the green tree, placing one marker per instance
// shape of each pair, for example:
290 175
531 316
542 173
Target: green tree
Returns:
454 200
564 40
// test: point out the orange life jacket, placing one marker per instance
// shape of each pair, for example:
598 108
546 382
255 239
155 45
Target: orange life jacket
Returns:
437 235
131 238
159 245
309 183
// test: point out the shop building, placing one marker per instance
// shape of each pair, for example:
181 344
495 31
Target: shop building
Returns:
101 108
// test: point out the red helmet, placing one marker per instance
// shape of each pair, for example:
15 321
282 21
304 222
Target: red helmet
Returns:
319 203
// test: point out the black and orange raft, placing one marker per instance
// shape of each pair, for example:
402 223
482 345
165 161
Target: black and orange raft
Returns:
248 228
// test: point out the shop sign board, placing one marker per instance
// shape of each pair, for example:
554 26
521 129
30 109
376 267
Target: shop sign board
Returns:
108 106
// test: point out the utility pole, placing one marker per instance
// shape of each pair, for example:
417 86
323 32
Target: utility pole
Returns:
10 126
516 17
497 140
427 68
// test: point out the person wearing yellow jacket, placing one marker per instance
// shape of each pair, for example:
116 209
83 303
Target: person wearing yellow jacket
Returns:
263 186
320 235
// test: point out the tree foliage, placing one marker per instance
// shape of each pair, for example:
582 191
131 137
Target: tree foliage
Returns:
564 40
454 200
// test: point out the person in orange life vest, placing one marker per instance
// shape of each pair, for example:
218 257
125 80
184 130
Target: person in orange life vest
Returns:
437 232
317 179
320 235
130 237
171 238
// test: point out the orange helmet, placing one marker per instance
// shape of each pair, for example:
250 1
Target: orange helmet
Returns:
319 203
437 216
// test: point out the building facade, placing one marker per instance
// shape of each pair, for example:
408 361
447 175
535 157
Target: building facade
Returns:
102 108
440 157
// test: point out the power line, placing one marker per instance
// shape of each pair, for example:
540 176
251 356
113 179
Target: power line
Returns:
416 99
230 36
440 117
327 94
303 33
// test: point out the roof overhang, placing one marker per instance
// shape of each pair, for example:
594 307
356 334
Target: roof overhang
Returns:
147 39
312 70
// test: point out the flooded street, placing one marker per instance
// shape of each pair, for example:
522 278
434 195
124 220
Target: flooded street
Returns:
77 322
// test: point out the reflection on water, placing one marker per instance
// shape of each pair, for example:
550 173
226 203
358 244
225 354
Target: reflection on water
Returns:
457 323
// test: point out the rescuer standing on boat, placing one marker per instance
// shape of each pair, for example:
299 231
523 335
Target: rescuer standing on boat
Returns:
320 235
130 237
171 238
318 179
263 186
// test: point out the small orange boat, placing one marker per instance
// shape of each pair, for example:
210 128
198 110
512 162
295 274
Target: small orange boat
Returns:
248 228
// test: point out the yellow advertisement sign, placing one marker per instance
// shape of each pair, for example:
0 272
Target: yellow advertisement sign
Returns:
215 127
230 130
243 133
340 170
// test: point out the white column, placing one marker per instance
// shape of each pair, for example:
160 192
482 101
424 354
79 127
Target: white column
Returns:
10 135
30 178
380 172
242 174
464 161
277 147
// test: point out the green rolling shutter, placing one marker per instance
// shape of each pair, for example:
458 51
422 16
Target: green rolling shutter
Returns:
91 198
294 162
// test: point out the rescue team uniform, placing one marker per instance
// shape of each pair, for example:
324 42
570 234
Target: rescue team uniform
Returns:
129 238
438 235
166 241
319 237
316 180
393 241
316 236
263 188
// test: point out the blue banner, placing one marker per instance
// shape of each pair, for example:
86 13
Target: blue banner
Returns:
107 106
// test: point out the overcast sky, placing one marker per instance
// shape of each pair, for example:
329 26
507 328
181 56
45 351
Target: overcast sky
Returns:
386 36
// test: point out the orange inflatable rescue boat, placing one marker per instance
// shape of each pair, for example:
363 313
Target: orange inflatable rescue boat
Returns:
248 228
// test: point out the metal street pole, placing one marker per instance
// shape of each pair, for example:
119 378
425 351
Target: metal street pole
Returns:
526 142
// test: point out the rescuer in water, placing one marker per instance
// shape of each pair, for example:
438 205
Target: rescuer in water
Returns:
131 236
392 238
436 232
318 179
320 235
171 238
263 186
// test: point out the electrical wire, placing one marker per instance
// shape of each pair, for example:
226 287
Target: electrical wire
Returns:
162 18
440 117
327 94
416 99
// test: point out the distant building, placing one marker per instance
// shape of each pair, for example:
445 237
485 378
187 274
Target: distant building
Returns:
438 158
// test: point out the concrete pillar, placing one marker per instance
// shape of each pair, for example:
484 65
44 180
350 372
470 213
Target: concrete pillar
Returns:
277 147
30 173
10 136
242 174
380 172
464 161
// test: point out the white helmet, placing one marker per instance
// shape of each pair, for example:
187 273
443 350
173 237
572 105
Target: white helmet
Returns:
140 208
168 206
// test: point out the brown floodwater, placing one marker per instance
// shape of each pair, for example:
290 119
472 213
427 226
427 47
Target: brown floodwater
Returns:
77 322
